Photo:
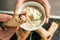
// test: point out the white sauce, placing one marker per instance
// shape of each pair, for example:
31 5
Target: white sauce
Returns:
36 14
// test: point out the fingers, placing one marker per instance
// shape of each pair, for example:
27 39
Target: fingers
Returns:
0 28
9 32
5 17
47 8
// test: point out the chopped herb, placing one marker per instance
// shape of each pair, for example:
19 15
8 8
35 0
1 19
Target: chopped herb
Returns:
37 19
31 35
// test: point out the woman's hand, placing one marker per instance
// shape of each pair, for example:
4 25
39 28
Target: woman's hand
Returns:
6 34
47 7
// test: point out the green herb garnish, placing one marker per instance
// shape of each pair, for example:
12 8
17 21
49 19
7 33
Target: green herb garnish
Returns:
37 19
31 35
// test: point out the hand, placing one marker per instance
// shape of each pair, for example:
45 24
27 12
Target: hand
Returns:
7 34
45 3
47 7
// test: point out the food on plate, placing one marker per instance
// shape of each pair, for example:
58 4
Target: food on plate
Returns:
30 17
34 17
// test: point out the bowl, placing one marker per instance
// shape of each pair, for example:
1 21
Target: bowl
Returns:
37 5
